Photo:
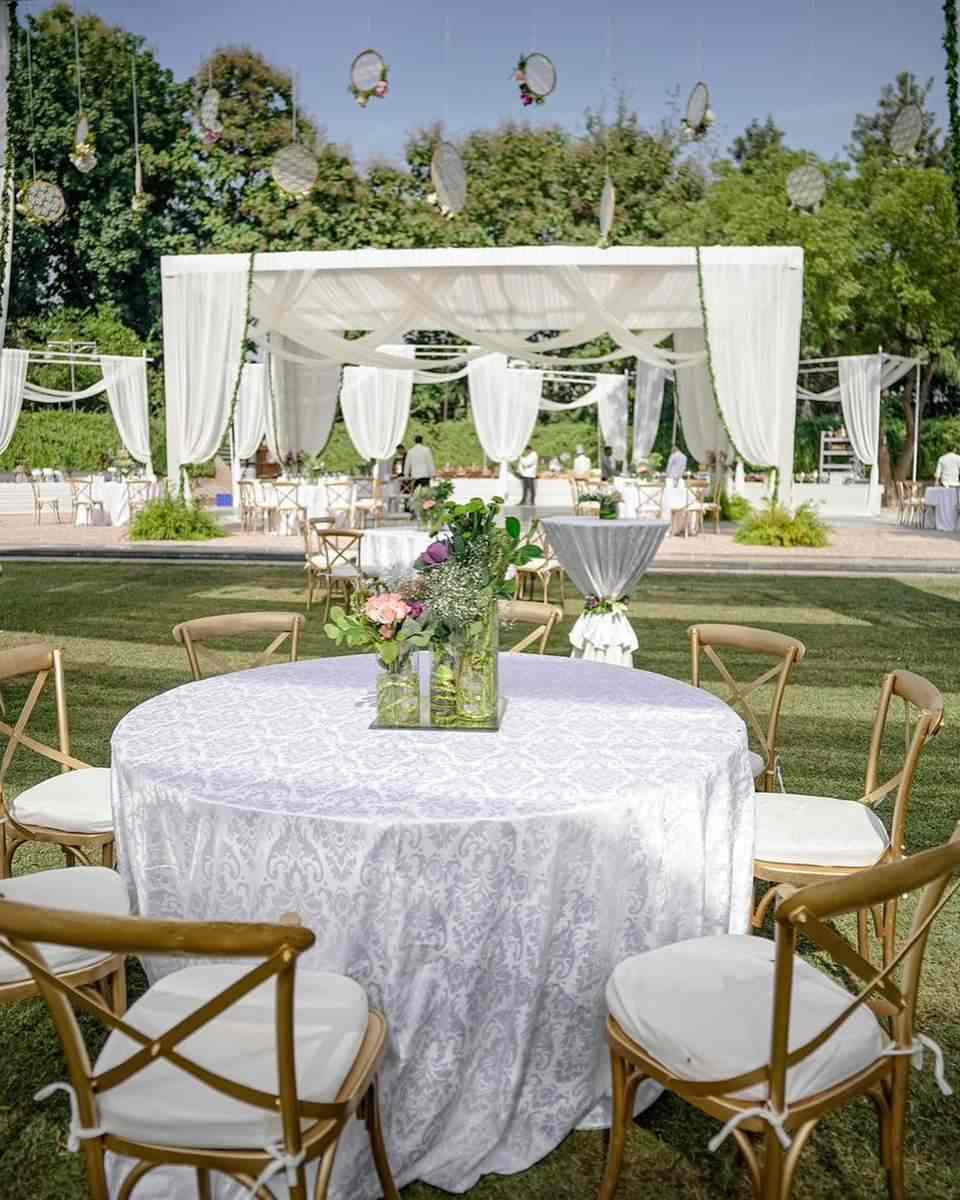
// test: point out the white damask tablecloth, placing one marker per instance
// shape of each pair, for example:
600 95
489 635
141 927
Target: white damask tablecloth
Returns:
481 887
386 551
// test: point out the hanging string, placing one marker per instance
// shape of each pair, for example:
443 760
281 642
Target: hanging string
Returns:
606 91
446 75
293 104
76 56
33 152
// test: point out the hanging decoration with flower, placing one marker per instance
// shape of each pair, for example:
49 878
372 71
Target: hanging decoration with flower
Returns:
141 199
536 77
294 167
699 116
84 156
40 202
806 187
369 77
449 177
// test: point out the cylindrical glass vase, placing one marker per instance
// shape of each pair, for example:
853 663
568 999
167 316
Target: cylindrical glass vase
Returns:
443 685
477 695
398 692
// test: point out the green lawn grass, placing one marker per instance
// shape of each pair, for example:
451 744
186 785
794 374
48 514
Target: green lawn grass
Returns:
114 620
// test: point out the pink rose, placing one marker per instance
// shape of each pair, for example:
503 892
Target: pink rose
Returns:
526 99
386 609
382 88
386 631
520 77
429 504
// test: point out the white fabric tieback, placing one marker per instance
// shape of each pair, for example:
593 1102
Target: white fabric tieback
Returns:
78 1132
921 1041
281 1162
764 1113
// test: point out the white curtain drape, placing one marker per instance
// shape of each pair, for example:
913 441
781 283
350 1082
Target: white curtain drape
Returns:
703 429
204 325
250 415
504 403
43 395
752 318
125 380
860 378
13 372
612 411
376 405
301 401
648 401
893 368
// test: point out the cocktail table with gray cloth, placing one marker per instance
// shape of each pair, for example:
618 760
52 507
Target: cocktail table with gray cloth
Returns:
604 559
479 887
945 503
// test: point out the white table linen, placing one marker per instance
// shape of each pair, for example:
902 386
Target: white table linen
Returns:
944 502
604 559
114 495
387 551
653 499
480 887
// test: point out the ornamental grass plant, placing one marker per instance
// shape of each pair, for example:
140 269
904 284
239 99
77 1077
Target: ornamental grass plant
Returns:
774 525
173 519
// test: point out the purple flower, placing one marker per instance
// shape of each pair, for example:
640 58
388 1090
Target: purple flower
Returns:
416 609
435 554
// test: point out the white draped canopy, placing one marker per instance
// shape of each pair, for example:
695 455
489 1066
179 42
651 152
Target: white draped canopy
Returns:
648 401
504 404
376 406
494 299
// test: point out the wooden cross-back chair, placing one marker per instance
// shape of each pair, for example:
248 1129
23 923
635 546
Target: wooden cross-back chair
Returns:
341 498
73 809
139 494
289 508
192 636
335 564
269 1079
708 640
649 500
697 1016
81 496
530 612
801 838
249 512
540 570
43 500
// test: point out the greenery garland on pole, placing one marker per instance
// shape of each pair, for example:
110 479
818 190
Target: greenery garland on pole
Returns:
953 99
7 180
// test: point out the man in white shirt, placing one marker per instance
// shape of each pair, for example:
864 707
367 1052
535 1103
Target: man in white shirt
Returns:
582 463
418 464
676 464
527 466
948 469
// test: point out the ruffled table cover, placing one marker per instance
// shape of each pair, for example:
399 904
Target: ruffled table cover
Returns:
604 559
481 887
945 502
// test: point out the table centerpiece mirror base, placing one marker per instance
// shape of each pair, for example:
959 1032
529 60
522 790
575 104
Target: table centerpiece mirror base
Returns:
425 721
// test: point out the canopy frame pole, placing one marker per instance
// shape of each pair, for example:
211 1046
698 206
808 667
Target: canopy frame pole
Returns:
916 423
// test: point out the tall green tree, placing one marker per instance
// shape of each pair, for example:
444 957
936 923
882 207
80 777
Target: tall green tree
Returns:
102 251
756 141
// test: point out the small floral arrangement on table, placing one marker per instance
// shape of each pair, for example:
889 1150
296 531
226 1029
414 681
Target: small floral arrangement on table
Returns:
597 606
520 78
608 502
363 96
425 499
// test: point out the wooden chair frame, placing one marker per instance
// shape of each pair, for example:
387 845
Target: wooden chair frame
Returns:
138 496
530 612
341 498
81 496
714 506
886 1082
917 694
542 569
649 500
192 636
311 1130
337 547
40 660
788 650
41 502
288 502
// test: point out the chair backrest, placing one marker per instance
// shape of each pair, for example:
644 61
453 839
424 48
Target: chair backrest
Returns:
312 528
39 660
708 640
340 495
339 547
81 491
649 498
890 990
529 612
24 926
248 493
193 635
287 497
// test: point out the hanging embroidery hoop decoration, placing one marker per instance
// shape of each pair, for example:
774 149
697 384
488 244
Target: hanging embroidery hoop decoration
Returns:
294 169
906 131
806 187
369 77
699 116
449 177
608 208
43 202
537 78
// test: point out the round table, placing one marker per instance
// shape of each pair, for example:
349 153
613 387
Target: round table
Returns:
479 886
604 559
114 495
946 509
391 551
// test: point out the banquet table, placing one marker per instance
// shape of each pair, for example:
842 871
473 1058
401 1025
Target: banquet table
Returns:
604 559
658 499
945 502
114 495
387 551
480 887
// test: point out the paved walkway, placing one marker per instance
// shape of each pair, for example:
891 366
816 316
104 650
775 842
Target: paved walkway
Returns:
856 547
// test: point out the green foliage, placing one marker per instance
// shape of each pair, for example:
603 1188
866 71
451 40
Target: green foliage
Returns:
64 440
775 525
871 131
734 508
173 519
953 93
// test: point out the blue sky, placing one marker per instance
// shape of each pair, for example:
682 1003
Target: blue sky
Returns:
811 63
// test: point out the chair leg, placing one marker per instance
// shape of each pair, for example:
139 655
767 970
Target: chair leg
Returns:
897 1121
96 1173
624 1090
371 1106
118 991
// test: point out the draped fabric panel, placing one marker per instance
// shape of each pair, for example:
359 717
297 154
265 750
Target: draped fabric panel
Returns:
893 369
376 406
703 430
648 401
301 401
250 415
204 324
13 372
612 410
752 323
43 395
125 380
504 403
860 379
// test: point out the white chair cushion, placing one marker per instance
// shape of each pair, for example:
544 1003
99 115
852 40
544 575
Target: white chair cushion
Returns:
758 764
346 571
76 802
818 830
704 1009
80 889
163 1104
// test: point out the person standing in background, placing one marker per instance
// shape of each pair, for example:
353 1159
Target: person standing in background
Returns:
527 467
419 465
399 457
948 469
608 466
582 463
676 464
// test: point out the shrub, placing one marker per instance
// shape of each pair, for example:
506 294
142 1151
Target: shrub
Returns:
775 525
734 508
173 519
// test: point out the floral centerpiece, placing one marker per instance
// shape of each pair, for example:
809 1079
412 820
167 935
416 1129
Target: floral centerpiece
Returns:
425 500
392 626
462 575
597 606
527 97
608 502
